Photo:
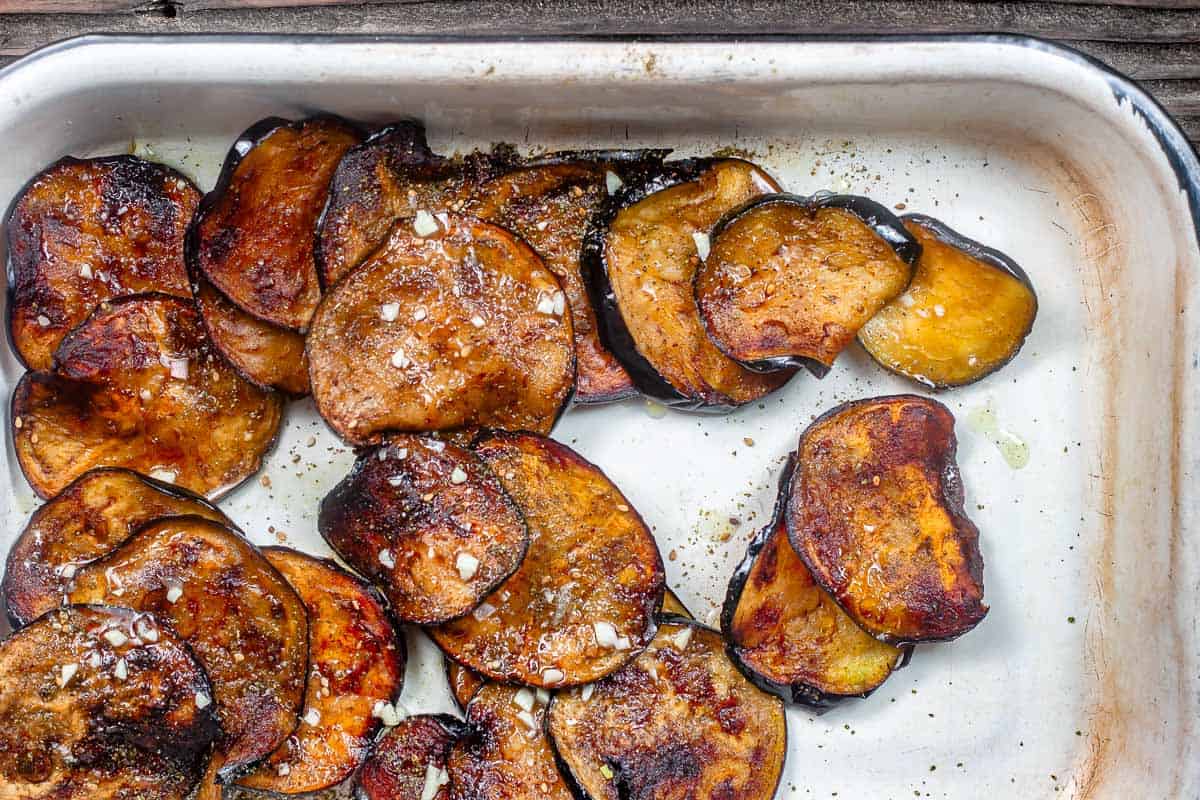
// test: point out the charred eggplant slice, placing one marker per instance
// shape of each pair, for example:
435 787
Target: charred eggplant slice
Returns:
789 280
640 259
252 237
787 634
504 754
876 512
452 322
355 661
84 522
428 523
677 721
409 762
582 602
966 314
101 703
464 682
86 231
245 623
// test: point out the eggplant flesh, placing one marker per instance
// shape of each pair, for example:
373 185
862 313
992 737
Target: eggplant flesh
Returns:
965 315
410 760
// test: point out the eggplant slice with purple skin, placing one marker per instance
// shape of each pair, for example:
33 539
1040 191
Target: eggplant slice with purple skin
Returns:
86 231
409 761
678 721
640 258
875 510
252 237
789 280
788 636
101 703
965 315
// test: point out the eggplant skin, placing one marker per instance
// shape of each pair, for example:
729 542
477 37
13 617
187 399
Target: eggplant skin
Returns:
397 768
876 492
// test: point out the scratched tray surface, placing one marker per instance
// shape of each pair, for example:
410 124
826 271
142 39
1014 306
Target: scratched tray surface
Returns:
1083 679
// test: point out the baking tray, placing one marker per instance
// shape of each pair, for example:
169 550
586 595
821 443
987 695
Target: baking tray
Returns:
1084 680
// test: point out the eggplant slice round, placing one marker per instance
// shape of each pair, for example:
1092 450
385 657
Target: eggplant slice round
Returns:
138 385
678 721
789 280
409 761
787 634
582 602
464 682
875 510
86 521
965 315
640 259
252 237
85 231
451 323
355 661
101 703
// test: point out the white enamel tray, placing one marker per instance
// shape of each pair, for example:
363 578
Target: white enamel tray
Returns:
1084 680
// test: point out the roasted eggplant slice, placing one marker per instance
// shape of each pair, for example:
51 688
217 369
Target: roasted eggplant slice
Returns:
464 682
876 512
101 703
428 523
582 602
138 385
504 754
409 762
452 322
789 280
679 721
84 522
355 662
244 621
86 231
253 234
673 605
787 634
640 258
966 314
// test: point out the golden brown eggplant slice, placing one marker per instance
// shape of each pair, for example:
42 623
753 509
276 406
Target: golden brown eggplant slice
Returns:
253 233
409 762
85 521
966 314
876 512
464 682
640 259
582 602
452 322
138 385
355 662
679 721
788 636
101 703
504 754
789 280
86 231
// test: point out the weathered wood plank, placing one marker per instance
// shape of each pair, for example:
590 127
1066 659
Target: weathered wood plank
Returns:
1147 61
116 6
1181 98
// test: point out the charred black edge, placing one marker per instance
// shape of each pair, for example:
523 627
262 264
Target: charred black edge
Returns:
952 497
10 267
884 223
246 141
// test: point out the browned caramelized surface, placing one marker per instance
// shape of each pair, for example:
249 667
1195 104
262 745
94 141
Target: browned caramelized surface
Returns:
464 682
462 326
408 757
101 704
876 513
254 238
245 623
549 207
140 386
85 521
679 721
428 523
961 319
652 260
592 574
355 660
505 755
785 280
86 231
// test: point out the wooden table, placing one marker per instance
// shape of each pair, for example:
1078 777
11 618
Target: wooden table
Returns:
1155 41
